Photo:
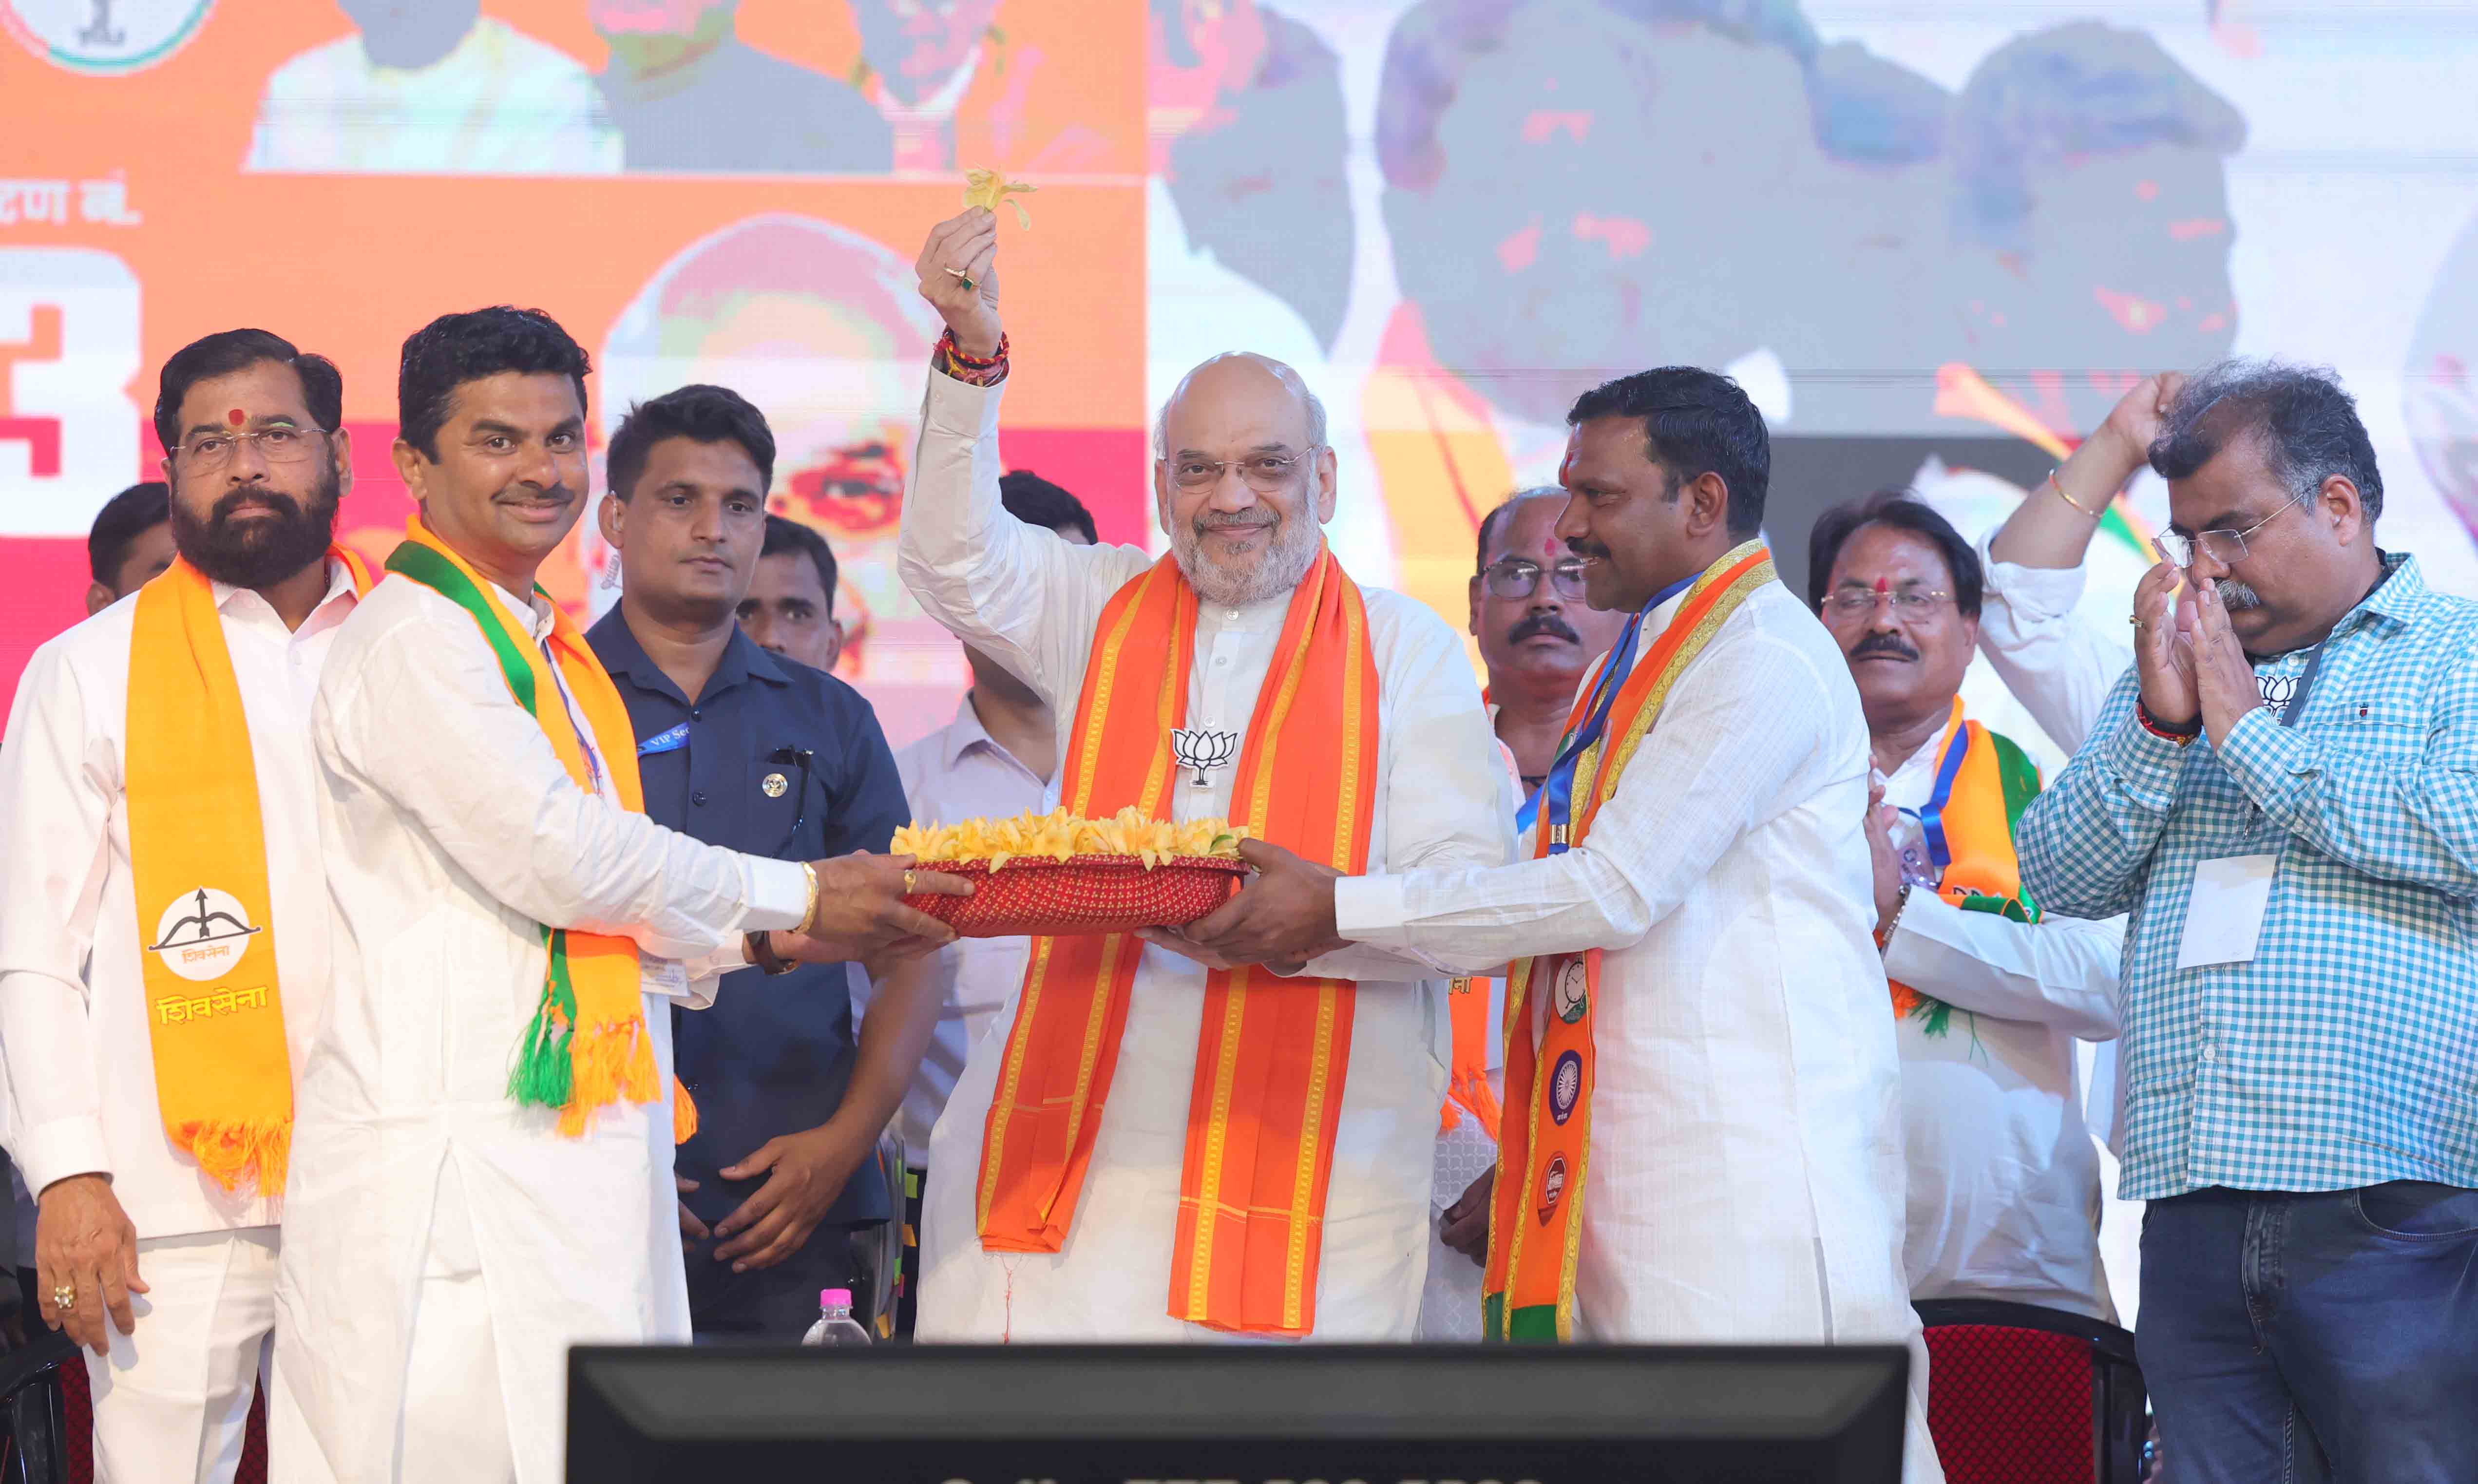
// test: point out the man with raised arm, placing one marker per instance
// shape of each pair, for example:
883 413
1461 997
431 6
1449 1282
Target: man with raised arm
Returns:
1156 1145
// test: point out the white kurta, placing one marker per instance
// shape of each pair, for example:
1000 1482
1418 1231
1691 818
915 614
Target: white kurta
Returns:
1031 601
170 1399
1746 1173
2004 1179
451 830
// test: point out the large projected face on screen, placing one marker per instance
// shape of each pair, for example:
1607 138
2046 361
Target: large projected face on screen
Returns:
822 329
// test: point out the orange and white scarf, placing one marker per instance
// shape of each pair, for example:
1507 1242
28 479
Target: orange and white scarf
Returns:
1273 1053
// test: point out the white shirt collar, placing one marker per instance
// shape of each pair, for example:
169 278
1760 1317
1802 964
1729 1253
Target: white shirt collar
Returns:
339 584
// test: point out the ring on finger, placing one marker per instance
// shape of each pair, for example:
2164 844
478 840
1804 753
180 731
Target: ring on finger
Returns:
907 884
65 1297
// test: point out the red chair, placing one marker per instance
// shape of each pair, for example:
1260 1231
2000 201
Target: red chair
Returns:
2022 1394
76 1464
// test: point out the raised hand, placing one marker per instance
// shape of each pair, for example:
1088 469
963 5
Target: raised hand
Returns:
964 247
2163 664
2224 680
2135 420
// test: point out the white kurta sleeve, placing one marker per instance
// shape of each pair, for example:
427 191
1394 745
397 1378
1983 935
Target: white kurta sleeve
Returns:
427 722
56 798
1732 736
2057 664
2058 971
1446 797
1018 593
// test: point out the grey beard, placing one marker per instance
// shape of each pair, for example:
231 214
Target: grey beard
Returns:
1289 554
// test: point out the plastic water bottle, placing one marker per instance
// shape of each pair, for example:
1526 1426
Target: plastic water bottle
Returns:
835 1323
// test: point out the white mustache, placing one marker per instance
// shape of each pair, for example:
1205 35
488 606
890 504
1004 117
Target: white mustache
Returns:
2235 595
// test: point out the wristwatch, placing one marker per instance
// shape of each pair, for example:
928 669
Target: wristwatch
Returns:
762 955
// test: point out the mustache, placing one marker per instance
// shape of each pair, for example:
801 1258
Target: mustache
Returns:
1233 520
1543 623
558 491
1880 643
2235 595
284 504
1588 549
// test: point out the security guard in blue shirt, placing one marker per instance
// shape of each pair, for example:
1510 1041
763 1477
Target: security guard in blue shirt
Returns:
744 748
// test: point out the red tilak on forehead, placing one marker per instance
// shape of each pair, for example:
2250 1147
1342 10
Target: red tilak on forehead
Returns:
235 417
1548 545
1882 586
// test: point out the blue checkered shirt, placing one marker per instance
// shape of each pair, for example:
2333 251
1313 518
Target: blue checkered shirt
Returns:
2345 1052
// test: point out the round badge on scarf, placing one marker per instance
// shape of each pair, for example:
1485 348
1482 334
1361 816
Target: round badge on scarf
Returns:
1574 993
1553 1184
1566 1085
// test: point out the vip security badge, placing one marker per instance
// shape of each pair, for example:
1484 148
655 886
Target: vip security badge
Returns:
104 36
1574 993
1552 1186
1566 1085
203 934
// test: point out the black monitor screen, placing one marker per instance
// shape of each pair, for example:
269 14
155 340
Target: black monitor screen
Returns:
1241 1414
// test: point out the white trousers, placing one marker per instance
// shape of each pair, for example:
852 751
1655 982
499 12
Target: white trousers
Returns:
171 1400
454 1425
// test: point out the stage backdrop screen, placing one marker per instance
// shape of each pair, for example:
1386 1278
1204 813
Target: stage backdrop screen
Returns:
1934 240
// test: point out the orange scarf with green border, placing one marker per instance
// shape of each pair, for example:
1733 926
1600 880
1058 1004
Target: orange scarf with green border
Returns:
587 1047
1983 782
1535 1224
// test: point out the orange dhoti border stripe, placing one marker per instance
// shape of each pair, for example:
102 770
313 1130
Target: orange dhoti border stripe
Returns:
1273 1054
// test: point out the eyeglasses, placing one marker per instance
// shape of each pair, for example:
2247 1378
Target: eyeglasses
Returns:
211 451
2226 547
1518 577
1909 605
1264 472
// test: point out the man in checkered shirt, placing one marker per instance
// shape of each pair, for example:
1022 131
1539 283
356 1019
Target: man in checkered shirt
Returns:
2302 1062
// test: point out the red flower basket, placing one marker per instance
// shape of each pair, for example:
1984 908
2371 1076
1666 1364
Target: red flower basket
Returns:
1040 896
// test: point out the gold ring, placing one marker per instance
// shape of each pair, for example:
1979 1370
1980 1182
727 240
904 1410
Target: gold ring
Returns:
65 1297
908 883
2135 619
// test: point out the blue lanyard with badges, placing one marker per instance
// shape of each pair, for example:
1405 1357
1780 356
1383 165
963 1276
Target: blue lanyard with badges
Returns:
1556 796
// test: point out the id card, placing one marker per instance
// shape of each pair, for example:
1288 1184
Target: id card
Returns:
2224 915
667 977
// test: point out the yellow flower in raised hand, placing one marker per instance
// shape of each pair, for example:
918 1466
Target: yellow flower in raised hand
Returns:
988 187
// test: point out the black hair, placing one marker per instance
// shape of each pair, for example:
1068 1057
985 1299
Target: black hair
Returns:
1036 501
700 413
784 534
1695 422
124 518
454 349
2306 425
1903 511
226 351
1496 517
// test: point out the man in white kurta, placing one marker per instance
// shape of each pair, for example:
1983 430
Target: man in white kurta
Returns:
445 1245
2003 1177
1031 600
171 1396
1744 1182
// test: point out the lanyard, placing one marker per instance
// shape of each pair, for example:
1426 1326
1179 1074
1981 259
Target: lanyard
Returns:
1932 816
1557 796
